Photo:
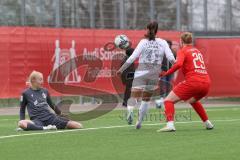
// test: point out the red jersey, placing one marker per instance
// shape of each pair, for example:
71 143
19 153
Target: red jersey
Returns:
191 61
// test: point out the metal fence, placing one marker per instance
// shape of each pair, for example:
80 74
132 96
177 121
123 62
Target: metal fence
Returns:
194 15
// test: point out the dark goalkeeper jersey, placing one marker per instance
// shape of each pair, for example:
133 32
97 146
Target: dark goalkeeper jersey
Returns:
37 103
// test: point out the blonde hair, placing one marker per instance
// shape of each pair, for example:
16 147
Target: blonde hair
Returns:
33 76
187 38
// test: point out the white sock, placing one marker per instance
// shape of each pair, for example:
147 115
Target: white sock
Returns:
45 128
143 110
160 102
170 124
207 121
163 106
130 108
161 99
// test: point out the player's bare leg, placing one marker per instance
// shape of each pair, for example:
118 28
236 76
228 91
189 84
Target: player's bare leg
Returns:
197 106
169 102
23 124
74 125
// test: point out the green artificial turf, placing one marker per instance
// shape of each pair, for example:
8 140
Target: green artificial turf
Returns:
122 142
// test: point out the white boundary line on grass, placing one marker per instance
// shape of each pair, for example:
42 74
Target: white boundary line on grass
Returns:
107 127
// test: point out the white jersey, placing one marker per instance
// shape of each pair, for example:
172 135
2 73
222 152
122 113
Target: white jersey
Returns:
150 54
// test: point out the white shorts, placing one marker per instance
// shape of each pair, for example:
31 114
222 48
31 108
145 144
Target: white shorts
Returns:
146 80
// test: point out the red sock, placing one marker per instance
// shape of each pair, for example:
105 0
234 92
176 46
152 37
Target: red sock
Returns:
169 110
200 111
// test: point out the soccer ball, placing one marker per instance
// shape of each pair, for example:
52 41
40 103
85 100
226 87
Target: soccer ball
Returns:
122 41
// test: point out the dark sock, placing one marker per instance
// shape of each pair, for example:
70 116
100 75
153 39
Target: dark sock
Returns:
31 127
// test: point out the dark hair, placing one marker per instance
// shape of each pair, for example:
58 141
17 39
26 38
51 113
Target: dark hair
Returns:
152 29
169 43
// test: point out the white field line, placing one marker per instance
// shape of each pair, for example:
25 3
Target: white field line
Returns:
222 109
209 109
106 127
13 119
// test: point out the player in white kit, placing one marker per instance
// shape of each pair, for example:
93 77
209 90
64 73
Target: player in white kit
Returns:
150 51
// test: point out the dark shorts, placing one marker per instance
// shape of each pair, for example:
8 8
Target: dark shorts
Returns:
59 122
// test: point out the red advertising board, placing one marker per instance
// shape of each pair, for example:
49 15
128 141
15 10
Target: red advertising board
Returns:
24 49
222 57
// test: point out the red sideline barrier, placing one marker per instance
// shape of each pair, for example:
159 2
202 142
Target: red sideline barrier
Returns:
222 58
24 49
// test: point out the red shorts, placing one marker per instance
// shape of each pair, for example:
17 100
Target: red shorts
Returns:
188 89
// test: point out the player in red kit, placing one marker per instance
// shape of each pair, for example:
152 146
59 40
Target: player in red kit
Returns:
195 86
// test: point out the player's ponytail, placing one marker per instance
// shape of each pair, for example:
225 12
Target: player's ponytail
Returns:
152 29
